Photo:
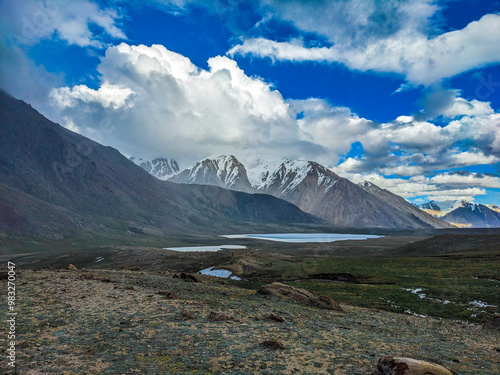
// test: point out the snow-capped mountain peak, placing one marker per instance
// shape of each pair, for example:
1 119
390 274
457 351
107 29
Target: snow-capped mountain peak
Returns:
439 209
161 168
283 177
224 171
462 213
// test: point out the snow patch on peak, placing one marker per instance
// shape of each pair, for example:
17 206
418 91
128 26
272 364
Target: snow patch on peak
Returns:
442 208
463 204
161 168
368 185
279 173
283 176
224 171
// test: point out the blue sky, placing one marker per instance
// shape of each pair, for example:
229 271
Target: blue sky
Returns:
403 93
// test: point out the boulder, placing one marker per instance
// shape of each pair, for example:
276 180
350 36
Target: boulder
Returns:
283 290
324 302
299 295
71 267
389 365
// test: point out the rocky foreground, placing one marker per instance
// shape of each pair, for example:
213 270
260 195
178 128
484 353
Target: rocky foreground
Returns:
131 322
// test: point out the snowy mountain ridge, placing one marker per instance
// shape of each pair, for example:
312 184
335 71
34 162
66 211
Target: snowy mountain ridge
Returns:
161 168
464 214
286 175
223 171
314 189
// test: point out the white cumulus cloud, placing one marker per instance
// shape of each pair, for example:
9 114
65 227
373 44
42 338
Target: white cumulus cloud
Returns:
30 21
163 104
408 50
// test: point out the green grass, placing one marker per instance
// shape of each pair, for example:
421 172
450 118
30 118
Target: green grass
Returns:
386 280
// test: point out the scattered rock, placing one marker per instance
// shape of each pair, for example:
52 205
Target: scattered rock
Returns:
219 316
299 295
493 323
389 365
71 268
272 344
168 294
274 317
187 315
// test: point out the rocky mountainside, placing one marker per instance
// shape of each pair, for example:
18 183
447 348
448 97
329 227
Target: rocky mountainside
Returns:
223 171
493 207
313 188
55 183
161 168
473 215
402 205
464 214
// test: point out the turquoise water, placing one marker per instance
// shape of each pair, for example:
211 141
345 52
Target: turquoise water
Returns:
305 237
204 248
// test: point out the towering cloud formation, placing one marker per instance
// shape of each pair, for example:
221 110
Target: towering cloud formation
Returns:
159 102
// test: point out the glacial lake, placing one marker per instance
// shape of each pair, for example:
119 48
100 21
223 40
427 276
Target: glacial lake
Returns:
204 248
304 237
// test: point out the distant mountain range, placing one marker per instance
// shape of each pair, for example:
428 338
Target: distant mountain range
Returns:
58 184
464 214
315 189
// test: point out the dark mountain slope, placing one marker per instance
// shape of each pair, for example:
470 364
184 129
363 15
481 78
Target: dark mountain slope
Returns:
473 215
57 183
319 191
403 206
314 189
